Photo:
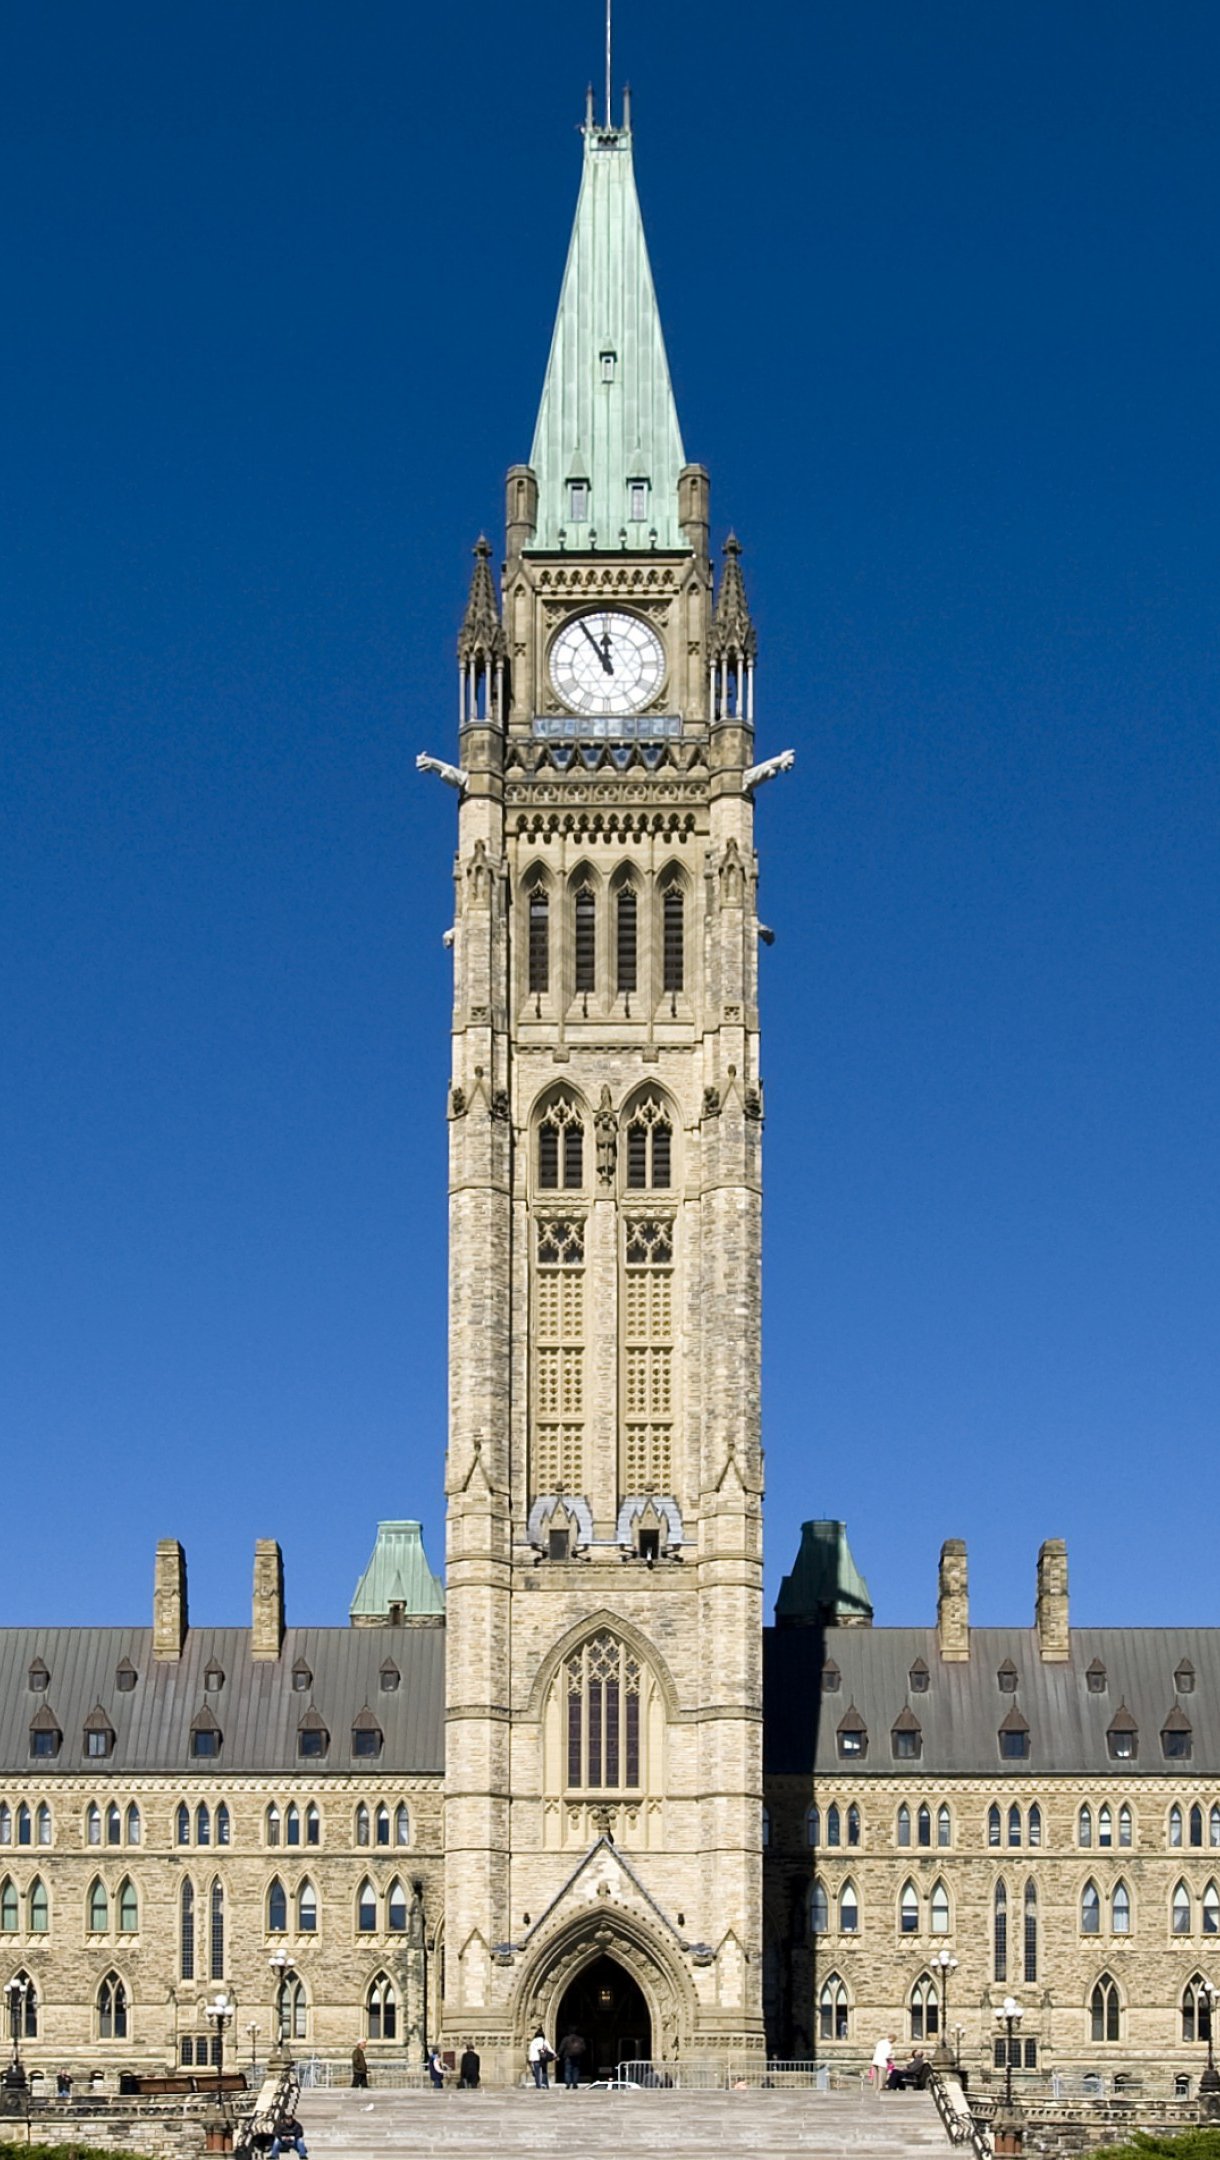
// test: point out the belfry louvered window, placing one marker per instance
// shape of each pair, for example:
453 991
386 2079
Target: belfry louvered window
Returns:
559 1355
584 938
603 1716
538 975
626 921
673 938
648 1356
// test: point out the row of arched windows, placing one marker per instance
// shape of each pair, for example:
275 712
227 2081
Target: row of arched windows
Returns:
912 1914
1012 1828
289 1825
1102 2011
610 938
1102 1825
199 1959
27 1911
31 1825
112 2013
643 1137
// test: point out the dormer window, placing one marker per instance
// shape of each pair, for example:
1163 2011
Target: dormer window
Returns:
390 1677
205 1737
578 501
214 1679
832 1679
852 1736
125 1676
1184 1678
1177 1738
906 1738
637 501
919 1677
40 1678
1007 1678
1014 1737
313 1739
45 1735
608 362
99 1735
366 1736
1095 1678
302 1678
1123 1736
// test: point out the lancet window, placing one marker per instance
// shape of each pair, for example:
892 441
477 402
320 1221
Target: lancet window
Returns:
648 1355
649 1145
603 1716
561 1147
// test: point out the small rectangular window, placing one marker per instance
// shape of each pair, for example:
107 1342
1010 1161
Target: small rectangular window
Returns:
311 1742
557 1545
97 1743
1014 1746
578 501
637 501
205 1743
649 1545
609 363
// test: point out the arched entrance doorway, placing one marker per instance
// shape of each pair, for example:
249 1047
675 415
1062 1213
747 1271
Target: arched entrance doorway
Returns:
604 2003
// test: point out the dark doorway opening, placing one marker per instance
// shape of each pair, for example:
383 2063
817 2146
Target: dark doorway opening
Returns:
604 2004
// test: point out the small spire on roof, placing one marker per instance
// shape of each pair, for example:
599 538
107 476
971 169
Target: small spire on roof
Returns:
481 636
733 633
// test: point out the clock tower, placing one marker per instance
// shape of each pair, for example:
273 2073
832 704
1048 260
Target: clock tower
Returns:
603 1813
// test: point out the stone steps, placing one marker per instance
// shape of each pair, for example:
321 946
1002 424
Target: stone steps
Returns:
588 2125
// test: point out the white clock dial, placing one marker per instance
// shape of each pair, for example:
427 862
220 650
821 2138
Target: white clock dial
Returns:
607 662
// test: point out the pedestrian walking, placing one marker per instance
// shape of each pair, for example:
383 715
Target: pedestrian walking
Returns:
538 2055
360 2068
468 2069
572 2051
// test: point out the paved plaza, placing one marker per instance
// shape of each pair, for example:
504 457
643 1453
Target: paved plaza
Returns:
588 2125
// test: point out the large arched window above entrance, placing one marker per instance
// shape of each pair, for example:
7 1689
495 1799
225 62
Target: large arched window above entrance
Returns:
602 1685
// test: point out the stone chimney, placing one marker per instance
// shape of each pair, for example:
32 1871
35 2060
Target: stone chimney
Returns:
1051 1612
169 1600
267 1622
953 1603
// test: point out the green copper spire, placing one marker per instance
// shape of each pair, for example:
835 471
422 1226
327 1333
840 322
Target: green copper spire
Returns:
397 1584
607 417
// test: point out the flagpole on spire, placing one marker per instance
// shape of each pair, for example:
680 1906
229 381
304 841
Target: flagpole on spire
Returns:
609 11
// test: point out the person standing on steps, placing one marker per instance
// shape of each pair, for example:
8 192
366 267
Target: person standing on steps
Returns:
538 2055
883 2058
571 2055
360 2068
469 2068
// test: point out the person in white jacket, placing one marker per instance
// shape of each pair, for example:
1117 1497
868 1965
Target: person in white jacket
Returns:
538 2055
883 2061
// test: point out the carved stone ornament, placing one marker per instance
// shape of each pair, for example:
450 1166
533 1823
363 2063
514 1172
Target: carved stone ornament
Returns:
457 1102
500 1106
711 1102
753 1102
605 1126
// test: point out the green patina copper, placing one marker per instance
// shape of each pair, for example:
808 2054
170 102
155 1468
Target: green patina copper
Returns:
825 1588
607 415
397 1577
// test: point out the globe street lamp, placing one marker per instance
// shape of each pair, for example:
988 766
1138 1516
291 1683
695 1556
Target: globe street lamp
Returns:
219 2014
1010 2126
1209 2083
252 2036
944 1964
283 1968
18 1992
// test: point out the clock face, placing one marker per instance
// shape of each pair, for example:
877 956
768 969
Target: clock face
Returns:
607 662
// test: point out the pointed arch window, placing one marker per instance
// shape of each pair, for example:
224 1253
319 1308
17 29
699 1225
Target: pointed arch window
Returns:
203 1825
1090 1909
584 937
1120 1909
1084 1826
381 1825
222 1824
298 2010
93 1824
833 2017
133 1825
1105 1826
186 1931
402 1824
366 1909
923 2005
648 1323
217 1932
849 1909
538 980
38 1908
673 936
1196 1824
999 1932
923 1826
1180 1909
24 1825
313 1825
363 1825
813 1827
112 2009
1014 1825
292 1824
853 1825
1033 1823
182 1824
626 940
128 1907
98 1907
603 1715
381 2009
6 1823
939 1908
561 1145
307 1908
274 1824
1030 1933
396 1907
649 1145
1175 1825
1104 2010
1210 1909
277 1907
993 1824
1196 2009
904 1824
834 1824
1124 1824
908 1909
9 1909
28 2020
819 1908
1213 1826
944 1825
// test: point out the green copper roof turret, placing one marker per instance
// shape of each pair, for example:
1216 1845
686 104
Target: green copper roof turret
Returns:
825 1588
397 1584
607 416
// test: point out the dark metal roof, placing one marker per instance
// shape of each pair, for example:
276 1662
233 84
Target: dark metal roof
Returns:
257 1710
963 1708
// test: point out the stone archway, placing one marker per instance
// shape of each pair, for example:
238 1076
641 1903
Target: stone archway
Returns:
606 2006
662 2010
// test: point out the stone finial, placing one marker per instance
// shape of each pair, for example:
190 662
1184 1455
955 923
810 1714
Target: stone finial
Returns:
733 635
481 636
170 1620
520 509
953 1603
267 1620
1051 1611
694 507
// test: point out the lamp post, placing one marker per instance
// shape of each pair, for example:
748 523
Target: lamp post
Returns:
219 2014
1209 2083
283 1968
252 2032
18 1993
944 1963
1010 2124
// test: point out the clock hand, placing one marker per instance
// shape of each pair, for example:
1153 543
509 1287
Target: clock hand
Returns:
600 650
607 662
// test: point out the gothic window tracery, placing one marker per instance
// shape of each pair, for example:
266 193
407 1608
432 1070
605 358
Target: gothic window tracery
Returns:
559 1355
561 1147
833 2015
603 1716
648 1356
649 1145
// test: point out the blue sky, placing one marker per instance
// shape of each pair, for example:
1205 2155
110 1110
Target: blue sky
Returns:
939 286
